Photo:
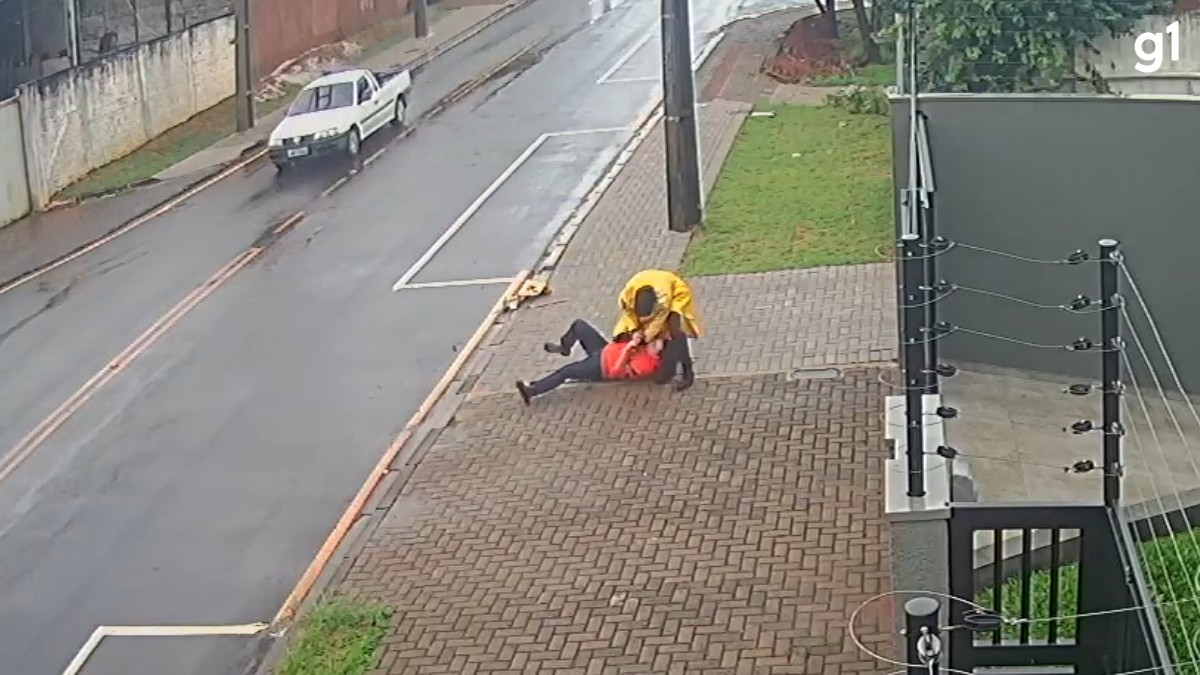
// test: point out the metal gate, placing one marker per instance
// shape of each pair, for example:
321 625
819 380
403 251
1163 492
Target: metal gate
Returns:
1068 581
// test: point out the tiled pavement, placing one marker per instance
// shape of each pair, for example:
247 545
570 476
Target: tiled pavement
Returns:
728 530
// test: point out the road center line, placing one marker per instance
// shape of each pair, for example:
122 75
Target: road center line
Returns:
52 422
624 59
135 223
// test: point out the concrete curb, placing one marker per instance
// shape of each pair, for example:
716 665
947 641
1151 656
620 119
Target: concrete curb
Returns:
272 646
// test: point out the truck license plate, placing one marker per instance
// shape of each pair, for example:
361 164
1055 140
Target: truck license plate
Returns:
297 152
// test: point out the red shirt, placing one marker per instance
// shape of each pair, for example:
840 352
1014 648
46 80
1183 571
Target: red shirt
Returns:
642 362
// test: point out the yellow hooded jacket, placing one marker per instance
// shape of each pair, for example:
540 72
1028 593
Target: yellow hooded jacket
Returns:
674 295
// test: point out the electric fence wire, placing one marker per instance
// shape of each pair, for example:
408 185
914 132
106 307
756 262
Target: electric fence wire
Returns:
1027 259
1172 538
1169 599
948 245
1090 308
1135 437
979 610
1026 343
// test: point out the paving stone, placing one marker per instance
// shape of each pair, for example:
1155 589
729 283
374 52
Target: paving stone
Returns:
626 530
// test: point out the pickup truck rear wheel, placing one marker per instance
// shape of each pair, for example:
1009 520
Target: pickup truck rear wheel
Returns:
398 111
352 143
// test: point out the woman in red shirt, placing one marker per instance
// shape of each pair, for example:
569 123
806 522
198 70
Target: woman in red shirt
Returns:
631 358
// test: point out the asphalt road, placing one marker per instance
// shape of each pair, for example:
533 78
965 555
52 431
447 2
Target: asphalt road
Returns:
197 483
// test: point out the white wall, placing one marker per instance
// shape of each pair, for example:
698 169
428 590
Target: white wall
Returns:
14 186
1118 58
81 119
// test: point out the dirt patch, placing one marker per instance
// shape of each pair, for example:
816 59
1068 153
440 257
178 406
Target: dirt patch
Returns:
737 69
808 49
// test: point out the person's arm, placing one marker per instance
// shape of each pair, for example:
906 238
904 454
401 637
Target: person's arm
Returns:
675 325
623 360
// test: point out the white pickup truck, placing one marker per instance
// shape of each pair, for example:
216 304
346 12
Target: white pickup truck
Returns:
335 113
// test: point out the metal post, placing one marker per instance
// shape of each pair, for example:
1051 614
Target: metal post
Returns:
1110 361
74 40
167 14
244 102
679 118
914 339
921 636
928 230
421 18
137 22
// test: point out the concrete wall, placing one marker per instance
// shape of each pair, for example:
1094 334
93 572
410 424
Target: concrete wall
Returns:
1042 176
81 119
1118 57
14 186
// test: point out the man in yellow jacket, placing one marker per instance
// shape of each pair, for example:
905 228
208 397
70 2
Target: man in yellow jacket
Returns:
658 304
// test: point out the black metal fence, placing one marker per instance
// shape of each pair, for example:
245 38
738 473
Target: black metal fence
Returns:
105 26
1061 577
1049 587
42 37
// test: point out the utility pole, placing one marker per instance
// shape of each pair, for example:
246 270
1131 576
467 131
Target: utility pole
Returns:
421 18
684 207
244 95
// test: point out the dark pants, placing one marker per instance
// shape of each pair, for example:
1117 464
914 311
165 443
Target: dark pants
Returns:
586 370
677 353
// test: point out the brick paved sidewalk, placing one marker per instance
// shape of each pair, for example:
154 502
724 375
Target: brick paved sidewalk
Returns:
728 530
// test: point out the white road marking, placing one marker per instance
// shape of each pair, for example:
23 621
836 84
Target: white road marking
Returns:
415 269
584 132
93 642
471 210
629 80
404 281
624 59
455 283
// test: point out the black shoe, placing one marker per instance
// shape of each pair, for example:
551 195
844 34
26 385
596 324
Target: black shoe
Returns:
685 382
523 390
556 348
664 377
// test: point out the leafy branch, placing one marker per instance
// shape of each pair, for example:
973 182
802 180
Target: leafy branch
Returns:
1019 45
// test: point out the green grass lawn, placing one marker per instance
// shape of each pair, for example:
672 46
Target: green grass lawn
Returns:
809 187
1171 566
337 637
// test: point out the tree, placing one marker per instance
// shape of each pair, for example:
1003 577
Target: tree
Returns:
829 14
866 31
1018 45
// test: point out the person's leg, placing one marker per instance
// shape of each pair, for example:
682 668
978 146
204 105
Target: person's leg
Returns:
586 370
677 354
581 332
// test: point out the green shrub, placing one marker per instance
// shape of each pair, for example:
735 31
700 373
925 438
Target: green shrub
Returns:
859 100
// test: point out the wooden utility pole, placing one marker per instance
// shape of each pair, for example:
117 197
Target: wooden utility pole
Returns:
421 18
244 79
684 207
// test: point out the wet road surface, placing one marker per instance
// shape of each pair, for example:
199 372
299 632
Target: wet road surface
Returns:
195 484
